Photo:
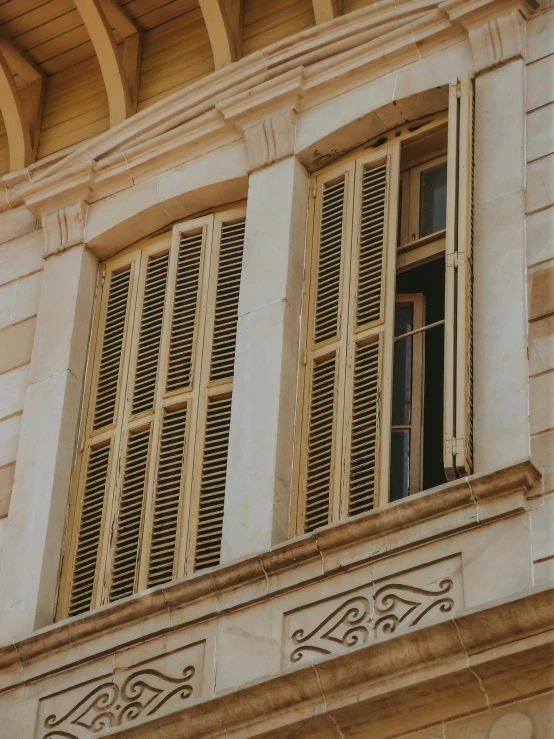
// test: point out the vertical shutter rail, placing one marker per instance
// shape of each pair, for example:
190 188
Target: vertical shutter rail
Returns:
212 486
112 344
179 373
150 333
84 568
372 236
365 428
129 519
227 300
320 444
329 262
167 497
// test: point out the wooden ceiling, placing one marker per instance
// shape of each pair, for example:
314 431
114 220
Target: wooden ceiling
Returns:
70 69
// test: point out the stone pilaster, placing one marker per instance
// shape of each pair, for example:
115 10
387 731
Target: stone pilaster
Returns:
257 497
33 545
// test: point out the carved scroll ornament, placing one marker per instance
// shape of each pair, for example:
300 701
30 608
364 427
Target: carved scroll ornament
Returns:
108 705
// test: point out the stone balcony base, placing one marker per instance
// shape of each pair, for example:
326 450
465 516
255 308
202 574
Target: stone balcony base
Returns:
426 602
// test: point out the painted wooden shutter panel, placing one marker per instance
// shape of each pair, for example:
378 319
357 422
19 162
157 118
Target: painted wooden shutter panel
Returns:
129 518
458 357
227 300
369 306
187 287
167 497
150 333
212 485
112 345
320 450
365 428
331 233
88 541
371 331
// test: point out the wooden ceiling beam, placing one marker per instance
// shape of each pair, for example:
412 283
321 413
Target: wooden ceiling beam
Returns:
17 60
15 119
223 19
117 85
326 10
119 19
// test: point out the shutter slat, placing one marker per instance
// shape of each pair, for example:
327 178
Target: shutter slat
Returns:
179 374
365 419
329 262
129 524
167 497
320 444
111 354
150 333
84 568
371 250
212 486
227 301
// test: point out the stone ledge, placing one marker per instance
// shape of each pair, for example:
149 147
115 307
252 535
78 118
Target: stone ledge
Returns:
461 505
481 650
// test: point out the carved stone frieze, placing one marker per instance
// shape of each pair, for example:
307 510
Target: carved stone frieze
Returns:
64 227
164 683
376 609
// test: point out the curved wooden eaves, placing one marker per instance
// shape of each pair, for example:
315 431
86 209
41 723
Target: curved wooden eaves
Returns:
223 19
120 72
326 10
21 116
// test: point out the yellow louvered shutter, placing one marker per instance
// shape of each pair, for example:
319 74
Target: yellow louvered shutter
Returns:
348 335
458 364
149 482
219 362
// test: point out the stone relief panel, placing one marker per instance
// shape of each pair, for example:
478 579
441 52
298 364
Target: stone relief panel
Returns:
161 684
379 608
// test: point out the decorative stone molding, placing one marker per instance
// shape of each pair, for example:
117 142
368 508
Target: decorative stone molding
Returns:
497 41
380 608
482 652
338 56
270 140
64 228
513 725
496 31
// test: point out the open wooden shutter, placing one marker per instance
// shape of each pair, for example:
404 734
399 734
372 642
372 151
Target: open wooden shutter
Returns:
325 328
458 365
349 336
371 331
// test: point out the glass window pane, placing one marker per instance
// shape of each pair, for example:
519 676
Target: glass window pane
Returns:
402 366
432 214
400 464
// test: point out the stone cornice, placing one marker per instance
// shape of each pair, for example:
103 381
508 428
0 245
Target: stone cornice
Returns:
463 504
482 648
312 66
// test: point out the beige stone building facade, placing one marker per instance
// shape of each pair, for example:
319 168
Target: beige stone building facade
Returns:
276 369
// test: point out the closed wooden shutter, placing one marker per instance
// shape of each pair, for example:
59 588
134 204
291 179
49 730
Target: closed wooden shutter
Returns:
149 482
458 371
348 335
215 403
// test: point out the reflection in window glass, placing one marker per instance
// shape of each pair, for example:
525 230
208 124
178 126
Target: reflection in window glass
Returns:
432 214
402 366
400 464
